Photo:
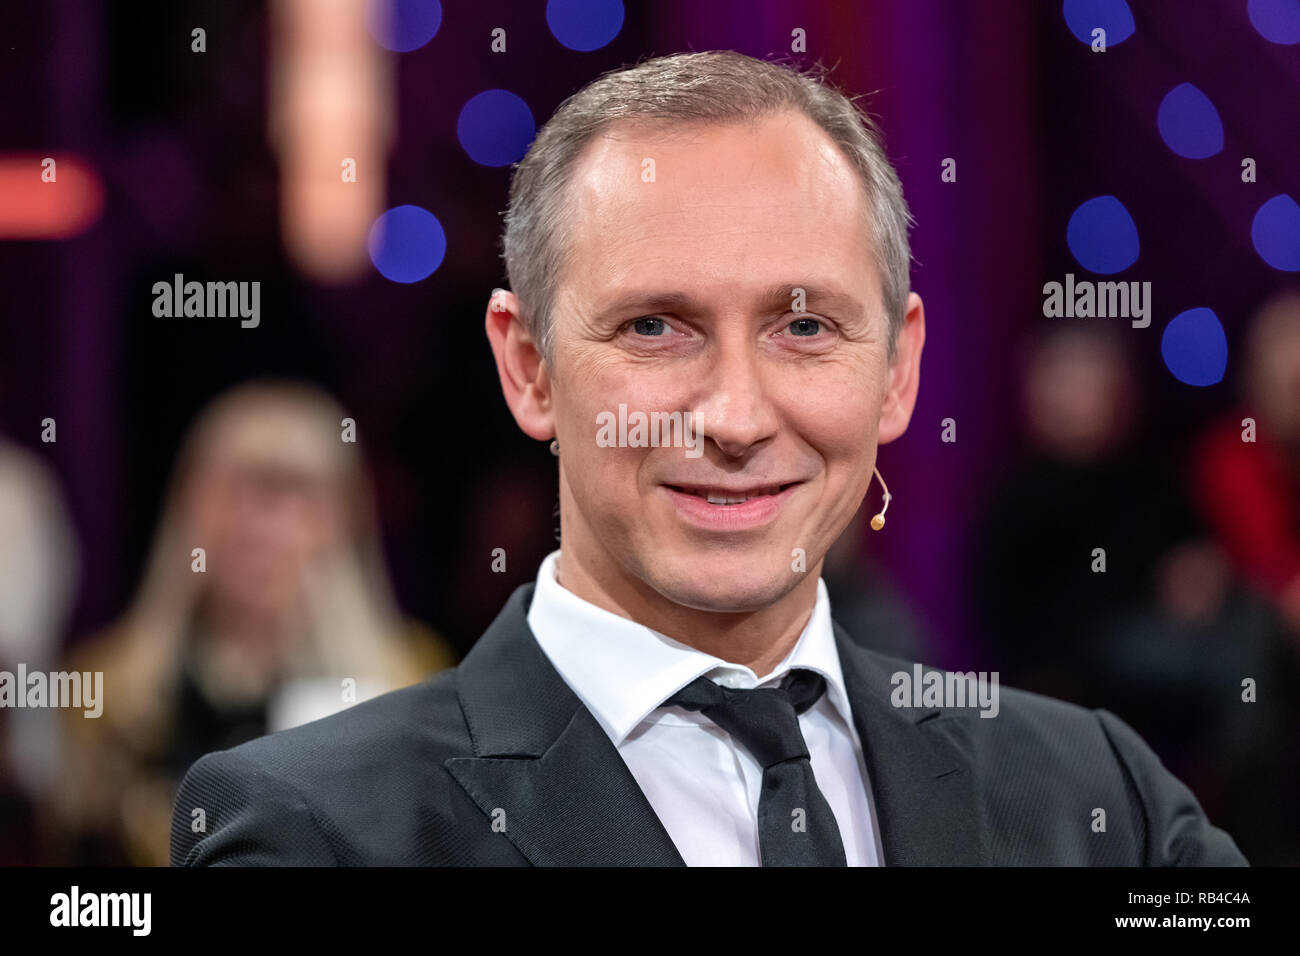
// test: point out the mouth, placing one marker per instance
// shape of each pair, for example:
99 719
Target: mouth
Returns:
727 497
721 508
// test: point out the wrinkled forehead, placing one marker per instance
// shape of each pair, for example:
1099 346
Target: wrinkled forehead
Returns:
716 206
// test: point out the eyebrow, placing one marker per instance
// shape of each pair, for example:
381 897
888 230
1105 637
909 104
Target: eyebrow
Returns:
647 302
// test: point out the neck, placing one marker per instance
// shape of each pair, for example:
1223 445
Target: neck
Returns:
758 639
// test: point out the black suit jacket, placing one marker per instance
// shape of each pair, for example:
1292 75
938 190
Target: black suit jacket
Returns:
497 762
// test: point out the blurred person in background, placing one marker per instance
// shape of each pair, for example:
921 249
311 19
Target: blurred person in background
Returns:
291 619
1176 664
1085 483
1168 633
1248 493
38 581
1249 490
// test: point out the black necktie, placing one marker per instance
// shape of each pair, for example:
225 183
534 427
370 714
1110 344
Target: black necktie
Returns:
795 824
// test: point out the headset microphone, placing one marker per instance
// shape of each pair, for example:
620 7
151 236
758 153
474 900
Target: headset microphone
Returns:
878 521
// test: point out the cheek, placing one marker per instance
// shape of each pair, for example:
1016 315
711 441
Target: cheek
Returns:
584 413
839 418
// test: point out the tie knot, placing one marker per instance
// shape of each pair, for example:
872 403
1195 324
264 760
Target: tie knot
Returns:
765 719
805 688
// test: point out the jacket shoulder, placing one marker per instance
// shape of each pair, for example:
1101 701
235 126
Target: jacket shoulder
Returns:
1056 782
368 734
363 786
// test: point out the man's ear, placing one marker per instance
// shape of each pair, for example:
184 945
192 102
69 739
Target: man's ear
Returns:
525 382
904 373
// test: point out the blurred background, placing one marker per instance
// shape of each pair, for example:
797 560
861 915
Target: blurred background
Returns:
353 157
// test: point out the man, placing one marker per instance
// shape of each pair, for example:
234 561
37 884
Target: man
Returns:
719 239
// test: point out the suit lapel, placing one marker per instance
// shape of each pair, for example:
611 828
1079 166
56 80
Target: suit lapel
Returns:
569 800
541 758
923 785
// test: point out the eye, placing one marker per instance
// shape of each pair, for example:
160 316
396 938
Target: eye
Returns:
649 325
805 327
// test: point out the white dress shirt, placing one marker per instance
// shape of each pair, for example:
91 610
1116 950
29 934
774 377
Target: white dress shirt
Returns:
703 786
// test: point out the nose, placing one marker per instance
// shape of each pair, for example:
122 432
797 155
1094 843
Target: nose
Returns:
735 411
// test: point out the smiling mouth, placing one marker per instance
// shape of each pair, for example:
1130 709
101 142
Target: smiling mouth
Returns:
723 496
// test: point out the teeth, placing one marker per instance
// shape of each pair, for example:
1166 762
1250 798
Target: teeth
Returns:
720 498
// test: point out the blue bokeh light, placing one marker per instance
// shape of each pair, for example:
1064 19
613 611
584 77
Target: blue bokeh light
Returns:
1277 21
1102 236
407 244
1189 124
1113 16
403 25
1276 233
584 25
1194 347
495 128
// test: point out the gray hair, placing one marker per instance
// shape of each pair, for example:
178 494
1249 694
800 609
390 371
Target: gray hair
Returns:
715 87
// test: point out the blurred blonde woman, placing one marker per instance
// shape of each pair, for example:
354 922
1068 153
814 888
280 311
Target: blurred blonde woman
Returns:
289 617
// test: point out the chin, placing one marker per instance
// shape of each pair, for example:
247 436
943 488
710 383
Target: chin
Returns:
709 581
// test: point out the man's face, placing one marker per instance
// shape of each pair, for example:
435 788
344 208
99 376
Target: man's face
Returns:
680 297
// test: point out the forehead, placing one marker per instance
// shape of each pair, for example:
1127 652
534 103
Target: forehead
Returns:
724 208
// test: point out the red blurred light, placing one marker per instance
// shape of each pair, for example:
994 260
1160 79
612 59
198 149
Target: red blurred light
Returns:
31 208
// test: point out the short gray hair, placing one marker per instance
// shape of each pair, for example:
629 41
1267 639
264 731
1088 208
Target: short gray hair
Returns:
717 87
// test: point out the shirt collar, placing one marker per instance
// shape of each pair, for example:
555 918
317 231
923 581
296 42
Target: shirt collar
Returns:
623 671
